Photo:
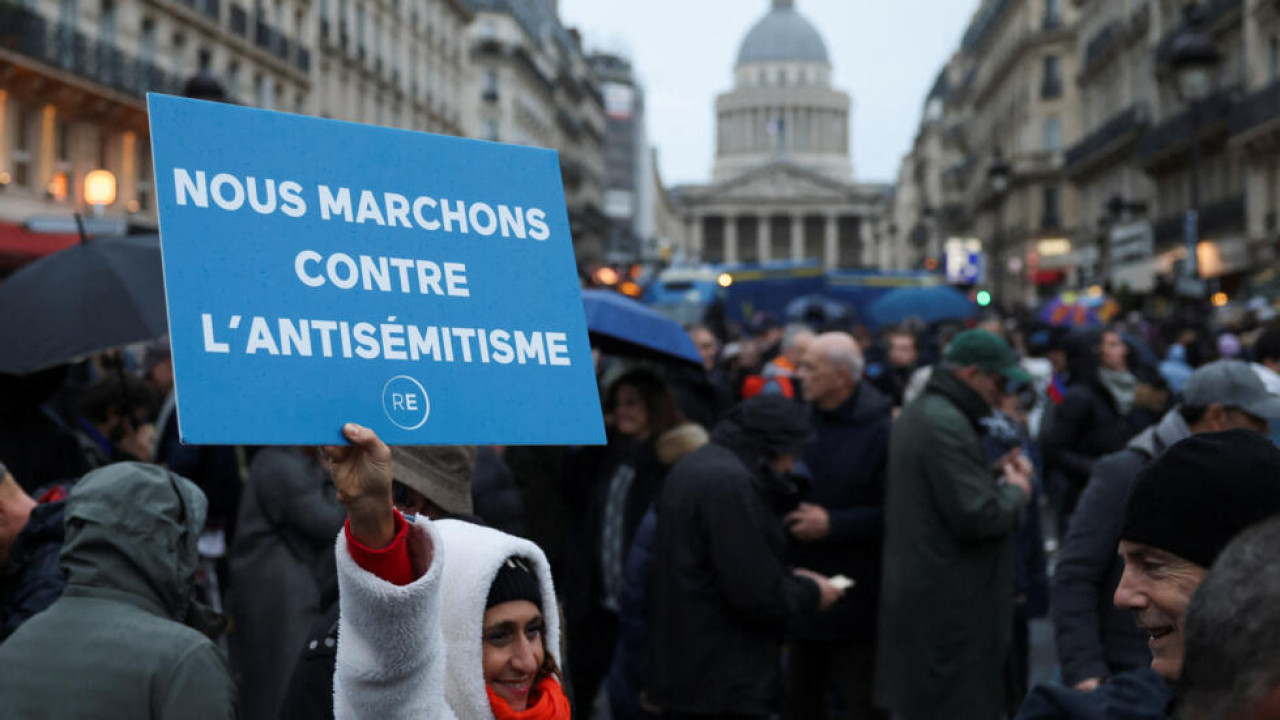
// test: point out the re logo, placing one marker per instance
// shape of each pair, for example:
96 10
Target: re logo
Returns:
405 402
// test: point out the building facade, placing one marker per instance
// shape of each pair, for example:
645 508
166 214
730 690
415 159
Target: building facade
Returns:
74 74
534 86
782 186
1124 158
628 195
394 64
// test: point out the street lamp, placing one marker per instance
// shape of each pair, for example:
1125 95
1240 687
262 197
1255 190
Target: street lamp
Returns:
998 175
204 85
1193 60
99 190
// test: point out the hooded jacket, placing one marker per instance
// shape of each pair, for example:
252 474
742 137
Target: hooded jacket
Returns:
1094 638
720 596
415 652
117 632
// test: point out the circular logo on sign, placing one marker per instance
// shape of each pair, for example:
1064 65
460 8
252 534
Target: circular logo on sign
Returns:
406 403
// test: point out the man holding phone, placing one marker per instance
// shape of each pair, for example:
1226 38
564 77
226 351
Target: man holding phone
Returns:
946 606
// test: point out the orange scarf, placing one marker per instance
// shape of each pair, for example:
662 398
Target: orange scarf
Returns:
547 702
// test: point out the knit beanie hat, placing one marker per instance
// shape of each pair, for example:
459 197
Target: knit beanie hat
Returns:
515 581
1203 491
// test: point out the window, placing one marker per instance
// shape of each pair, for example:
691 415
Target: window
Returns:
22 147
266 91
490 91
1053 134
1273 60
62 144
1051 83
491 130
1050 218
107 22
233 80
1052 14
360 31
148 40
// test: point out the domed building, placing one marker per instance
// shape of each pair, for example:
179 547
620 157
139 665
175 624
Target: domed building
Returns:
782 186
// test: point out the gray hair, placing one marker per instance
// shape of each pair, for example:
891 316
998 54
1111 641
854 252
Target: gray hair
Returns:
847 360
793 332
1232 655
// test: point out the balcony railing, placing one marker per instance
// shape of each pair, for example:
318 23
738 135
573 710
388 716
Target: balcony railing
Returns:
1122 126
239 21
1260 107
1220 217
61 46
1175 132
1099 47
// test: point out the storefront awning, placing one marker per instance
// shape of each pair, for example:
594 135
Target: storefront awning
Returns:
19 246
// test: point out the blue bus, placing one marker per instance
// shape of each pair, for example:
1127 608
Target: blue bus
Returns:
686 294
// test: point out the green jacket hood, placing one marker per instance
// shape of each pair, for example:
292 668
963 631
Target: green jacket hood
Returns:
131 534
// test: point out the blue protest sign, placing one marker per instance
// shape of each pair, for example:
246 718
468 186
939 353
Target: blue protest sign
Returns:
321 272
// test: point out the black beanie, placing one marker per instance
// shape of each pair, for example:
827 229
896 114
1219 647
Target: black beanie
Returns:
516 580
1202 492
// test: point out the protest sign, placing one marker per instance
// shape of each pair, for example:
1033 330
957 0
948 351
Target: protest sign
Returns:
321 272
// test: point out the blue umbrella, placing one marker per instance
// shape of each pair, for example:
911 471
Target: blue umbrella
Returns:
931 304
90 297
622 326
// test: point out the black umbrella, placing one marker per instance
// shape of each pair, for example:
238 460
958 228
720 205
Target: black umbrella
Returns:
97 295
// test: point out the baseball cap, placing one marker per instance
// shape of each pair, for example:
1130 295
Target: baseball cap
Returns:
441 473
989 352
1230 383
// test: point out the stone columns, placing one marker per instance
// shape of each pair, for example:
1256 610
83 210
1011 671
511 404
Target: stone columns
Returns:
730 239
797 237
832 242
764 238
694 251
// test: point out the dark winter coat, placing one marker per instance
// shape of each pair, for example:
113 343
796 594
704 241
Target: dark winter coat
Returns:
720 596
494 495
1086 426
32 579
627 673
1137 695
114 645
848 460
1094 638
590 476
946 605
282 554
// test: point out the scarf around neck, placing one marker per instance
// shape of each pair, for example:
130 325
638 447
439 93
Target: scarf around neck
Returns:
1122 385
547 702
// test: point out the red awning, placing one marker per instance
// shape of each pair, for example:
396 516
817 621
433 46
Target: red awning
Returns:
1048 277
19 246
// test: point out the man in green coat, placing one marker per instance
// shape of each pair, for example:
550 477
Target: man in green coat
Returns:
115 644
946 605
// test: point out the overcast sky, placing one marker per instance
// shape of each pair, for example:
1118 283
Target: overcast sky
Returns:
886 54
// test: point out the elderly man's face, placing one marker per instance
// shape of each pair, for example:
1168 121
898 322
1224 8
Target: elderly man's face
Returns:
819 380
1157 587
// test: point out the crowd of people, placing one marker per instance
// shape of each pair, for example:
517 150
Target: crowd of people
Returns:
820 521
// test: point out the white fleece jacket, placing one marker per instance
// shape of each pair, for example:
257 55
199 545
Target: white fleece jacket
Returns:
415 652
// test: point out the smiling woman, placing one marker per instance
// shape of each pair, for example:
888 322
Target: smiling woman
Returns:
438 619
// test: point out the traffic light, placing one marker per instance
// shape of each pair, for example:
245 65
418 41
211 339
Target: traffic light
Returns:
983 298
